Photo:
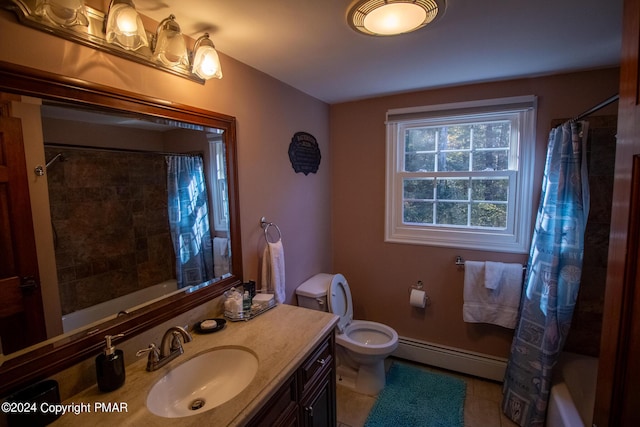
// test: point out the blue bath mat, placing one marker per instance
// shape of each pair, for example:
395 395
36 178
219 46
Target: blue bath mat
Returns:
414 397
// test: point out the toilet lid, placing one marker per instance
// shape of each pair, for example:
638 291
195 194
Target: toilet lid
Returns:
339 300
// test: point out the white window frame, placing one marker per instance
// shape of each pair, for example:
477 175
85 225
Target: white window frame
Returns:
218 183
516 238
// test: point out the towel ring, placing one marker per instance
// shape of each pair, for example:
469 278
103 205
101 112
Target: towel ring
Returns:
265 225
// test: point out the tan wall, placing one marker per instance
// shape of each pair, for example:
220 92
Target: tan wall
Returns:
380 273
268 113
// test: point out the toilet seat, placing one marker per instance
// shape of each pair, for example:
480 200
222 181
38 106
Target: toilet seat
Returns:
340 304
362 336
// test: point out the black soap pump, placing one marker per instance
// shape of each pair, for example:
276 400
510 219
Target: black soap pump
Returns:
110 366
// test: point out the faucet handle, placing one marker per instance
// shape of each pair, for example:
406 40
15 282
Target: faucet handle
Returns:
176 343
154 355
184 331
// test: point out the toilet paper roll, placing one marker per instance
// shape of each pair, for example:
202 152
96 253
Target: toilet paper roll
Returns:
418 298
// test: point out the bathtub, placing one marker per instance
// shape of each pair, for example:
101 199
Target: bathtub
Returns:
573 391
110 309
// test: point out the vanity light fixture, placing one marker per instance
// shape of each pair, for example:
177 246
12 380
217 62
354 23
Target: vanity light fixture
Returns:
393 17
206 63
121 32
124 26
170 47
66 13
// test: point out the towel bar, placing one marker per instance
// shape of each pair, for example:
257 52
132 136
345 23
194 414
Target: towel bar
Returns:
460 263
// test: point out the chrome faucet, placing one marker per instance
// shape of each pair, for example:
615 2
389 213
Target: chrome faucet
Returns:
170 348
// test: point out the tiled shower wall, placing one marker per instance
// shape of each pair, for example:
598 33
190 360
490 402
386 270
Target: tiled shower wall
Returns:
110 226
586 326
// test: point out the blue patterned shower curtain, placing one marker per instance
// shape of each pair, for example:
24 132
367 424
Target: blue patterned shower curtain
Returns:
189 220
553 276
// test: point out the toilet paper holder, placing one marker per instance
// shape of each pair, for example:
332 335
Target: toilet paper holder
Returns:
420 287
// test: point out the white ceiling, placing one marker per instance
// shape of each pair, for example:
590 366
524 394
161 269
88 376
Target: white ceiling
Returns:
309 45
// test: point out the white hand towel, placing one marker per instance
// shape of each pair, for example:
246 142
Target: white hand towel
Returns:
273 273
220 256
220 245
492 274
498 306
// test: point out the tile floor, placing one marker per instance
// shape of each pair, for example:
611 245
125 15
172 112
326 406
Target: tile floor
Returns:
481 407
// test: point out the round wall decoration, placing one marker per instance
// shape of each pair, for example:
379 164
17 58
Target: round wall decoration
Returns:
304 153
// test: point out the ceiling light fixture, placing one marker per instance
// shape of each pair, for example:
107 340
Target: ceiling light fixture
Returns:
393 17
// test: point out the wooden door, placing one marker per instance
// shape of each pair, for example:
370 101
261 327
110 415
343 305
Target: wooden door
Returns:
618 388
21 313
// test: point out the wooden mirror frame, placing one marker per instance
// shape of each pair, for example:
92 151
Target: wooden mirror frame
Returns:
55 355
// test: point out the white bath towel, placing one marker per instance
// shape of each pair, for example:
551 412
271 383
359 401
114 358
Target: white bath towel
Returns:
220 256
498 306
273 271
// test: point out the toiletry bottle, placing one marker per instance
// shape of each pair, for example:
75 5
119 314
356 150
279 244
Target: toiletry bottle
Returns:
110 366
246 302
251 287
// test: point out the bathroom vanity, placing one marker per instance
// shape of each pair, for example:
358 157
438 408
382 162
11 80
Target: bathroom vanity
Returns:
294 384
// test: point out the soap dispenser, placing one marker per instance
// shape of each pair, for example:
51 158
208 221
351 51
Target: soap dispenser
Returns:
110 366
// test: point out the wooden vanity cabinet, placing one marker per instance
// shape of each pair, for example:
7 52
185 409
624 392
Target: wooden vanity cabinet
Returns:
317 380
308 397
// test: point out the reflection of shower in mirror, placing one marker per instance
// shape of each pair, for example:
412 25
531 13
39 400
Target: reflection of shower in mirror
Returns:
109 212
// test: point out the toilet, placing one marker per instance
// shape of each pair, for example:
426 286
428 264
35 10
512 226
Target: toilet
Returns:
362 346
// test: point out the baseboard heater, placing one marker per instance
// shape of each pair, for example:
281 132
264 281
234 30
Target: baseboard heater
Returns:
453 359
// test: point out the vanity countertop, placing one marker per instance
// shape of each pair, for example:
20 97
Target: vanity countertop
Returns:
282 338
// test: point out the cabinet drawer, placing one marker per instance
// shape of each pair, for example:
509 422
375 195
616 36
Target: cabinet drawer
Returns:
317 363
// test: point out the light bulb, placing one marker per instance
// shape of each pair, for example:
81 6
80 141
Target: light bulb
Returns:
206 63
209 65
127 20
395 18
124 27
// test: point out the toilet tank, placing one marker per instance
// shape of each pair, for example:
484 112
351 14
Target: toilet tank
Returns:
313 293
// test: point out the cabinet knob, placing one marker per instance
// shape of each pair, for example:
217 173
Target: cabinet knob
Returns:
322 362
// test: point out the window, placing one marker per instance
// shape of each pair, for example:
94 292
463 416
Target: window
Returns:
460 175
218 180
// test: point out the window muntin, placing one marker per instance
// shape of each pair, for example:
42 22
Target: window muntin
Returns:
458 180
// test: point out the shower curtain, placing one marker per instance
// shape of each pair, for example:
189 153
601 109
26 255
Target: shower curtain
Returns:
553 276
189 220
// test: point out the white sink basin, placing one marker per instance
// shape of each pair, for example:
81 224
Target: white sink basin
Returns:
202 383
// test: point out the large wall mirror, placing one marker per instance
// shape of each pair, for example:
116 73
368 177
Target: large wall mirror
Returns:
141 217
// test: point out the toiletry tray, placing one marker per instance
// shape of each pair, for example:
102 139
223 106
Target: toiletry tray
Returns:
256 310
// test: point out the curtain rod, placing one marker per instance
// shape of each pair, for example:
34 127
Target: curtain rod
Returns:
120 150
592 110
